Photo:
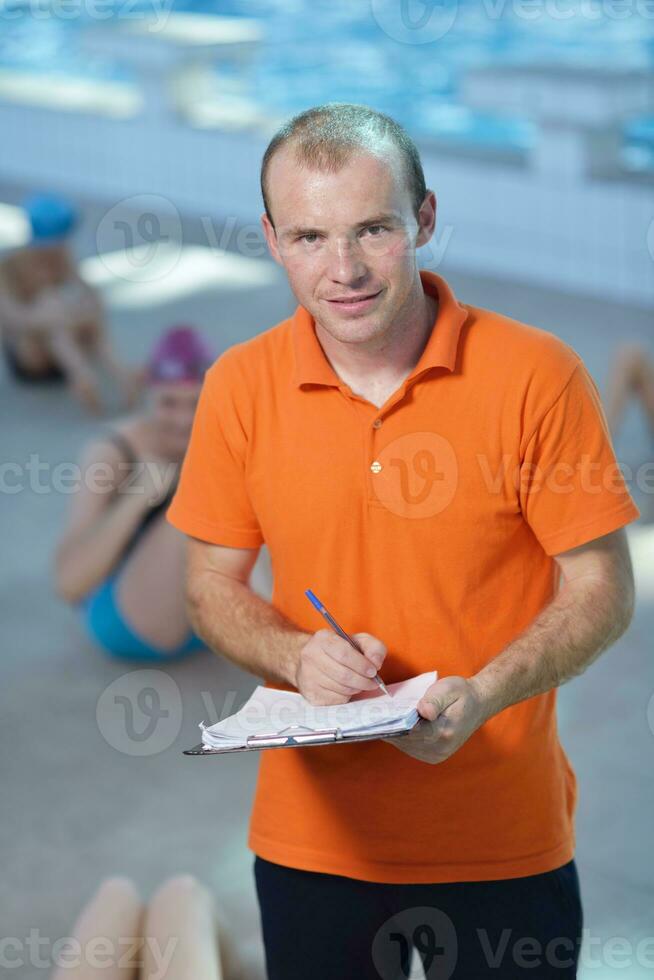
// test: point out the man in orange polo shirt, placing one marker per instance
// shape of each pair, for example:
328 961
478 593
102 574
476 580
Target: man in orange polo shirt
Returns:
443 478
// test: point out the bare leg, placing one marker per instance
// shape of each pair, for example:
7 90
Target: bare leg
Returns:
74 360
151 588
633 376
93 335
115 916
181 935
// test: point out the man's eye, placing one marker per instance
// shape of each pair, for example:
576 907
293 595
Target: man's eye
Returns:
310 238
376 230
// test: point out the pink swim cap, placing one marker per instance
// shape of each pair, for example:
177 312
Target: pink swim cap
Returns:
180 355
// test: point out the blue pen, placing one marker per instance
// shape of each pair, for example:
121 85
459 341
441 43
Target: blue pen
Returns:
314 600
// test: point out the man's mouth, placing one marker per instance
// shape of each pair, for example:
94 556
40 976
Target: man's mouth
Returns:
348 303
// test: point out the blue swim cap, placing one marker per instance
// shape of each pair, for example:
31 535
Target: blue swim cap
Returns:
50 217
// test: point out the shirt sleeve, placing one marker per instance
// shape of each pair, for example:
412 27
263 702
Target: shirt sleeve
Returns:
571 487
212 501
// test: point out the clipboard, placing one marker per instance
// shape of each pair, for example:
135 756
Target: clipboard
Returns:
296 736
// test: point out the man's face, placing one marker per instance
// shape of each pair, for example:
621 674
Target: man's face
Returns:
347 240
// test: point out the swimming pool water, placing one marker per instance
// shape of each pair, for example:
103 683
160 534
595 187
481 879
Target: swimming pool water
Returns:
405 57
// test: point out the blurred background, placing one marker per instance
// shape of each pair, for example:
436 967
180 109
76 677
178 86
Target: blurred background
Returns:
535 122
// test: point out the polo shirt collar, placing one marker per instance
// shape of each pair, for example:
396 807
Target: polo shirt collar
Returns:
312 366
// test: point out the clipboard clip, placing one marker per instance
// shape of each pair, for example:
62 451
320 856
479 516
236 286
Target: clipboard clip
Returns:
294 735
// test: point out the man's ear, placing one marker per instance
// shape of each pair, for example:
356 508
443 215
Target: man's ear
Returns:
427 219
271 237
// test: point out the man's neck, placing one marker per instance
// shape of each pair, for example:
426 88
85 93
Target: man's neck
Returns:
375 371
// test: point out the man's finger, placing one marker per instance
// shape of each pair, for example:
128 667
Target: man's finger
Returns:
372 647
340 651
339 674
429 708
437 698
323 695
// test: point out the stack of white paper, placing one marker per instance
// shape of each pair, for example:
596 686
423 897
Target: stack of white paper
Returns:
272 712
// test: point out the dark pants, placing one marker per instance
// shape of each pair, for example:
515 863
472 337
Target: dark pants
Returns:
319 926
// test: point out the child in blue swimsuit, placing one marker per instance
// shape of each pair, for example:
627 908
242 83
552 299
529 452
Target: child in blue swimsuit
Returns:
119 562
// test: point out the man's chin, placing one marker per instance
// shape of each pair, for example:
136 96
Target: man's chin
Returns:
357 330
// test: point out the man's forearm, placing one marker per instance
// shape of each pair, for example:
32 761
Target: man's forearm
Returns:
235 621
565 638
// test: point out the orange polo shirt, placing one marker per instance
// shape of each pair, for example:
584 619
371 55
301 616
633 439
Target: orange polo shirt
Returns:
430 523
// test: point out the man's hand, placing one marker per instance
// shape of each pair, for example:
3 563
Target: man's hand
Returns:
451 709
330 671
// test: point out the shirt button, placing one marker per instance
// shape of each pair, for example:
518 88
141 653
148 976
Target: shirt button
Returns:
376 466
377 424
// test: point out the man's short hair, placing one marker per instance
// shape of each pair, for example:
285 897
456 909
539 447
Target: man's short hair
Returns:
325 137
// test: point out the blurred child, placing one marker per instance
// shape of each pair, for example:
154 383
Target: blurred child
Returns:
51 321
119 561
632 376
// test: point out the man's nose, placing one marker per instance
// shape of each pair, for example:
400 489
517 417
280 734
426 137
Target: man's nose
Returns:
345 263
